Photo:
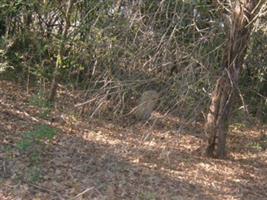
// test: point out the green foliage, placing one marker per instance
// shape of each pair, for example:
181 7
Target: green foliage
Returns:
120 51
263 142
43 132
35 137
25 144
260 145
34 174
4 65
253 83
41 102
255 145
32 144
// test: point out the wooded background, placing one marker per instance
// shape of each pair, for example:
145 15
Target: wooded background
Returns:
112 51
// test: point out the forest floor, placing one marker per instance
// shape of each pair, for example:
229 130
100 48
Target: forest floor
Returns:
101 159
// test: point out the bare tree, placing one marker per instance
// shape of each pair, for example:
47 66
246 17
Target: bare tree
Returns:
243 14
53 90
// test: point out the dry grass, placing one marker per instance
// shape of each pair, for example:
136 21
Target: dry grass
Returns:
100 159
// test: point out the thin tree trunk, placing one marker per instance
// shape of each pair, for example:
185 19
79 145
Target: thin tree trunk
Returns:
222 97
54 85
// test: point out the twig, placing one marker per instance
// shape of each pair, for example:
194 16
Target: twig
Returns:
83 192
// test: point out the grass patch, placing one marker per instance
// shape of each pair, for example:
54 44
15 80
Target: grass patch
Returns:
39 100
32 145
37 136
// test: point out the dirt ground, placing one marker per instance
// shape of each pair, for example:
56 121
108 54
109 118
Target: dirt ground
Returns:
101 159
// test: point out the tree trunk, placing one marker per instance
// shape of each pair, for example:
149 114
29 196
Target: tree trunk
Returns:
54 85
222 97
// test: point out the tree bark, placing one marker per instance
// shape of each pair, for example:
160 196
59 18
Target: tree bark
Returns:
54 85
242 16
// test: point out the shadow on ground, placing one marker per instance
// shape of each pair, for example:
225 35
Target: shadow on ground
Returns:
102 160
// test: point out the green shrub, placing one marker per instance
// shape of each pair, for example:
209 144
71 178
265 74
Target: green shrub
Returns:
35 137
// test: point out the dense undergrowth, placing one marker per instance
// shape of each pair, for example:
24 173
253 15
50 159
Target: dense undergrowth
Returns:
115 52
